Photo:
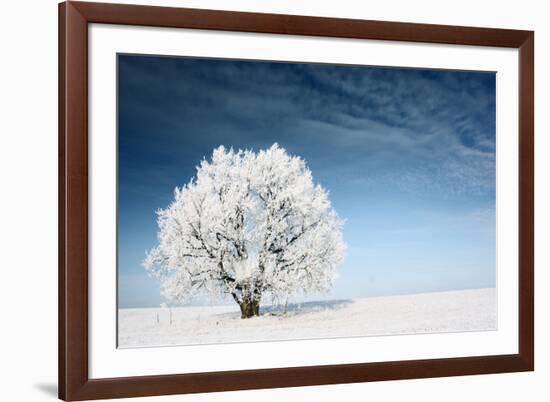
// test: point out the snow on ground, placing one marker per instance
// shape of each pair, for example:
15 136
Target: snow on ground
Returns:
464 310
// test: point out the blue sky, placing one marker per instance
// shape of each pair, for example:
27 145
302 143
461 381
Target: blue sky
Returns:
408 156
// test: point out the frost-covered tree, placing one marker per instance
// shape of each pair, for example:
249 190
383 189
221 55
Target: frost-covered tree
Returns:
249 225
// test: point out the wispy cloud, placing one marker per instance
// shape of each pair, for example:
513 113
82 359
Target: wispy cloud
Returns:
415 128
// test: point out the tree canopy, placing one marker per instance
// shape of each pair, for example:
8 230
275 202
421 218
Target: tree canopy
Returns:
250 224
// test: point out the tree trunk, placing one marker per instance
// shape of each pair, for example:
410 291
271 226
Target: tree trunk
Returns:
249 308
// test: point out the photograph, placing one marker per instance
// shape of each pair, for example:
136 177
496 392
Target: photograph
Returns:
281 200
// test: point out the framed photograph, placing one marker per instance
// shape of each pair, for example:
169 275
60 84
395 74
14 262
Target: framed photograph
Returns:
258 200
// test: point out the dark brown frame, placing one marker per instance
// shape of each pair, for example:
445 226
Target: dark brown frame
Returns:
74 383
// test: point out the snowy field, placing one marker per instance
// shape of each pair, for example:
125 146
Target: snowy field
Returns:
465 310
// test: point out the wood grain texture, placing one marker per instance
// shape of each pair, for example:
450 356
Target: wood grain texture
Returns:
73 202
74 382
526 263
298 25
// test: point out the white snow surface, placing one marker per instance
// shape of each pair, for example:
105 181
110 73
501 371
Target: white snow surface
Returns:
453 311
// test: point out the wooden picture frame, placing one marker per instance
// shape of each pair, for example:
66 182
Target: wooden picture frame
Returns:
74 381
